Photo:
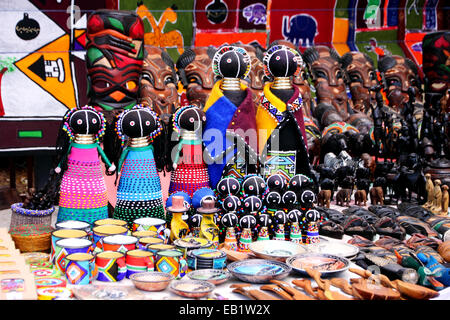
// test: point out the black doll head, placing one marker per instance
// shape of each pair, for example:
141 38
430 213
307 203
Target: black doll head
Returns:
299 181
288 199
140 121
272 199
85 122
189 118
264 220
253 185
281 61
252 204
231 203
247 222
280 217
294 216
231 62
195 220
312 215
276 182
307 198
229 220
228 186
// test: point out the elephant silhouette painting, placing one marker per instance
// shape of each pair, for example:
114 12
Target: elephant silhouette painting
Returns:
300 29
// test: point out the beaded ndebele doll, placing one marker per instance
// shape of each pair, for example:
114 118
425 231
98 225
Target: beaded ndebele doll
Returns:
83 194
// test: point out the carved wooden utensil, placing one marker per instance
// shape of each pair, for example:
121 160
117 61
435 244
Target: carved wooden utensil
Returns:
414 291
324 285
277 290
372 291
305 284
296 294
252 293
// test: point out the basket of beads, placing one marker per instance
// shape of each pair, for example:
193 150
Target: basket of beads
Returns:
37 208
32 237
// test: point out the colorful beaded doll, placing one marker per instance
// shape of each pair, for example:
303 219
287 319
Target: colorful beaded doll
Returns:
83 194
247 223
264 221
190 171
228 193
295 234
230 221
313 218
281 219
139 191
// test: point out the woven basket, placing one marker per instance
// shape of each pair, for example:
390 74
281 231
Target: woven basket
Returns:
32 237
21 216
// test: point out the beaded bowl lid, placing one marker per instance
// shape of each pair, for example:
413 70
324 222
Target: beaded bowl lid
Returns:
30 230
19 209
231 62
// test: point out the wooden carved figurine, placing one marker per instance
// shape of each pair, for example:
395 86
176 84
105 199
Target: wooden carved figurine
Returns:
376 195
324 198
429 187
444 205
343 197
436 208
360 197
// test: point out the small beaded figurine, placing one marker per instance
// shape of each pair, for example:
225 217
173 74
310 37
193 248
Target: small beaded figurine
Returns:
230 221
295 217
264 222
281 219
247 223
190 172
83 193
313 219
139 191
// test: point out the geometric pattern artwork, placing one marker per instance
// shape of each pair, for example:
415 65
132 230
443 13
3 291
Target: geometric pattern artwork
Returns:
280 162
75 273
167 265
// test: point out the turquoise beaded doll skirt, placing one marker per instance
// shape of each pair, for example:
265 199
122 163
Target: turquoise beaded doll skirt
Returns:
139 191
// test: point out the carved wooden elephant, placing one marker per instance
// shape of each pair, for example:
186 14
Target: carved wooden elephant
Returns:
324 198
343 197
360 197
376 195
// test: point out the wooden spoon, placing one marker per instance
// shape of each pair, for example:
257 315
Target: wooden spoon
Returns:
248 291
296 294
371 291
305 284
277 290
415 291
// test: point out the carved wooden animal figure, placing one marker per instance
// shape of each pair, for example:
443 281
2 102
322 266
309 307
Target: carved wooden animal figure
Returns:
444 205
360 197
376 195
436 208
343 197
324 198
429 187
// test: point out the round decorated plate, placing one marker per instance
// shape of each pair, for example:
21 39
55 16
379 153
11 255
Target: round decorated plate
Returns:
326 264
213 276
192 243
259 270
191 288
275 249
340 249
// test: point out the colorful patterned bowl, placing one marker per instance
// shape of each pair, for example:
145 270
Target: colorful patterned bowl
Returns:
192 288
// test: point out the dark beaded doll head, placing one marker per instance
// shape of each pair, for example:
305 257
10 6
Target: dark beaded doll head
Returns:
282 61
307 198
300 181
189 118
229 220
289 199
231 203
228 186
253 185
276 182
272 199
312 215
84 120
264 220
140 121
252 204
231 62
247 222
280 217
295 216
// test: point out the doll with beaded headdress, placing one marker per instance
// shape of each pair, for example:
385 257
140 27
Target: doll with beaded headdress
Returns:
82 192
190 172
139 191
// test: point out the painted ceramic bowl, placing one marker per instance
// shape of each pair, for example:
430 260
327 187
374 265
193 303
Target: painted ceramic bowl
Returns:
341 249
259 270
206 259
191 288
192 243
276 249
213 276
326 264
152 280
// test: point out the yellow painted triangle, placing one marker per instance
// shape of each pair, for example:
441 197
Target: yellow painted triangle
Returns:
50 68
